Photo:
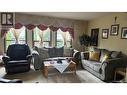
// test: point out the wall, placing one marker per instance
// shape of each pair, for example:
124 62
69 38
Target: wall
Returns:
79 27
113 42
1 41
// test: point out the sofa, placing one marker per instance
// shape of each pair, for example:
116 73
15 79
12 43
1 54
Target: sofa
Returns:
103 69
41 54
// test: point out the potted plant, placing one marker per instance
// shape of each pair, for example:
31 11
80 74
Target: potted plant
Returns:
85 40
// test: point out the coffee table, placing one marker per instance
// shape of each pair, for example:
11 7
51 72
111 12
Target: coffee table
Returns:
49 64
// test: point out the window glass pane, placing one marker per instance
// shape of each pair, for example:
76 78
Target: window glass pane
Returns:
45 44
36 34
9 43
9 35
60 44
46 37
37 44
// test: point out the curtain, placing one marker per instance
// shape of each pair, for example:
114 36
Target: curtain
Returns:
64 34
41 37
16 34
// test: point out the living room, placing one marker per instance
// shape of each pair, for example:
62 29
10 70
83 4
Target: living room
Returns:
55 25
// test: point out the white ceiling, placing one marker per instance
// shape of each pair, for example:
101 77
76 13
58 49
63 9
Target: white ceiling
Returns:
72 15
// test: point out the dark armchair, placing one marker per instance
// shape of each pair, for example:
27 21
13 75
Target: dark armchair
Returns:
18 59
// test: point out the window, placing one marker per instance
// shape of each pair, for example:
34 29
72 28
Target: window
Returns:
10 39
69 39
62 37
59 39
54 39
46 37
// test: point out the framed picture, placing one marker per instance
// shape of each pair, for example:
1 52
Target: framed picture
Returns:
124 33
7 19
94 37
114 30
105 33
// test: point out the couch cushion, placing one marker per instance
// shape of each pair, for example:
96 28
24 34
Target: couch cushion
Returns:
95 56
52 52
115 54
103 55
59 52
92 64
68 52
43 53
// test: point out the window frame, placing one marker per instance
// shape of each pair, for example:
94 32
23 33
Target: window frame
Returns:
50 42
13 40
60 41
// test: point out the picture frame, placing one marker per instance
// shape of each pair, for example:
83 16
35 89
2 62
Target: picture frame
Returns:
105 33
94 37
7 19
114 30
124 33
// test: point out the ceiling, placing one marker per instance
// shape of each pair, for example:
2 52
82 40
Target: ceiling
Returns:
72 15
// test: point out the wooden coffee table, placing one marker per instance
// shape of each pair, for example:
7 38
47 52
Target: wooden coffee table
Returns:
47 65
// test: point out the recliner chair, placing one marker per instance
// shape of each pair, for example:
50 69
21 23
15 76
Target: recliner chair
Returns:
18 59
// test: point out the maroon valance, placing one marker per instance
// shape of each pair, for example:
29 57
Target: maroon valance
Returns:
30 26
63 29
53 28
18 25
42 27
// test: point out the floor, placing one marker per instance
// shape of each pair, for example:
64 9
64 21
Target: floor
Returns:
81 76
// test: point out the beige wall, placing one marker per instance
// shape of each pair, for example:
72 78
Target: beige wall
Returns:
113 42
79 27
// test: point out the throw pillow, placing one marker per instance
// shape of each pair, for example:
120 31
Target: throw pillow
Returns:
115 54
104 53
43 53
105 58
94 56
68 52
59 52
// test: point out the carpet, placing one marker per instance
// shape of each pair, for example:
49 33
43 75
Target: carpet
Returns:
81 76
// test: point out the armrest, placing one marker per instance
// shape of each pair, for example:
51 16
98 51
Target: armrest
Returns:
85 55
76 54
110 65
5 59
34 52
29 56
114 63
